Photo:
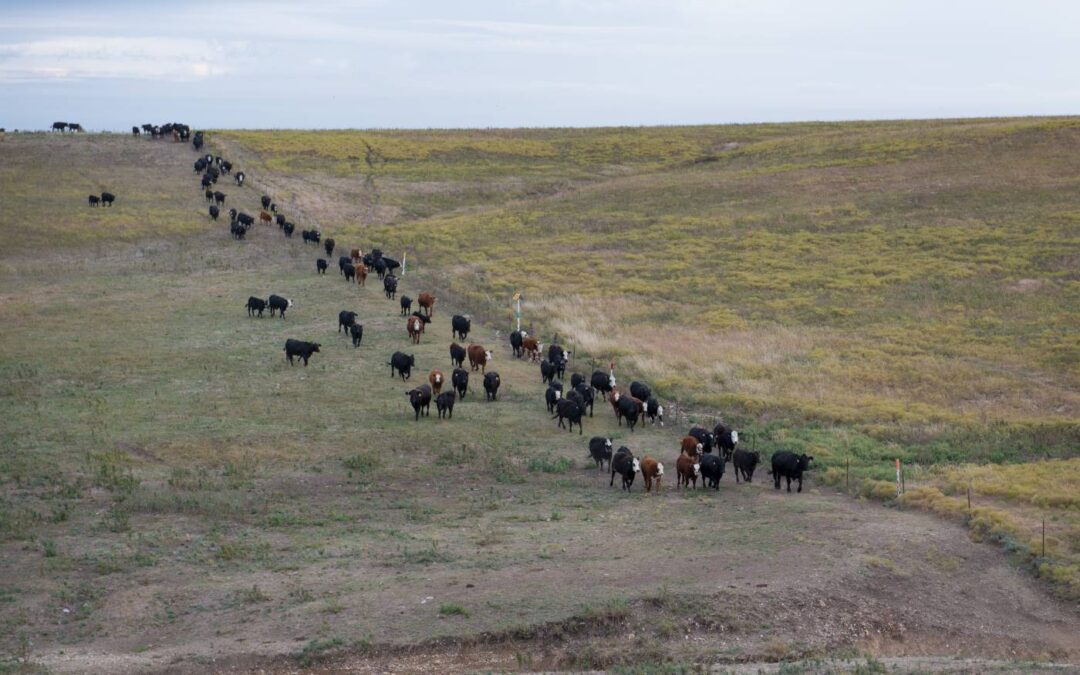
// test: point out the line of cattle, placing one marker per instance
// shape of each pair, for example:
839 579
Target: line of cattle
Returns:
696 458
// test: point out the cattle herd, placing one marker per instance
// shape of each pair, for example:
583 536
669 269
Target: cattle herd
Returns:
703 453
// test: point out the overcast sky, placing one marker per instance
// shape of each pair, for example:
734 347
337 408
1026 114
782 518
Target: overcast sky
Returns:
509 63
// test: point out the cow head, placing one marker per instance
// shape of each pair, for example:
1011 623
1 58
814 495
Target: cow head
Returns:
734 437
288 302
659 470
611 380
558 395
804 462
524 335
697 469
607 443
699 448
315 347
660 414
637 465
487 356
565 356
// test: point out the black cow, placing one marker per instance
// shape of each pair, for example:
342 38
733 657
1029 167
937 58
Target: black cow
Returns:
279 304
328 245
209 194
461 325
403 364
232 214
300 349
134 131
237 230
379 266
390 286
59 126
420 398
245 220
390 264
345 320
342 261
705 437
444 402
551 397
547 371
349 271
199 166
239 178
626 465
726 439
206 181
712 470
654 411
491 385
575 396
600 450
219 198
602 382
588 397
280 220
357 332
320 265
790 466
640 391
265 201
628 410
288 228
226 167
516 339
569 411
460 379
94 200
406 305
745 462
457 354
214 212
576 379
256 305
107 198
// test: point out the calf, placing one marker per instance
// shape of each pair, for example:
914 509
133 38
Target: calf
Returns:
478 357
288 229
209 194
551 397
790 466
255 305
547 371
406 305
427 303
357 332
214 212
415 326
237 230
587 396
651 470
265 201
640 390
403 364
321 265
280 220
265 218
300 349
444 403
390 286
219 198
688 470
107 198
420 398
712 470
629 409
460 327
356 255
457 354
654 411
706 438
491 385
602 382
328 245
239 177
361 274
342 261
531 347
626 465
345 321
691 446
435 378
245 219
280 304
460 379
726 439
600 450
745 462
516 339
350 272
569 411
576 379
94 200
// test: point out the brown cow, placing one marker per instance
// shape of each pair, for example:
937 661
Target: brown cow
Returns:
651 470
531 347
426 302
265 218
415 326
361 274
478 357
688 469
356 255
691 447
436 379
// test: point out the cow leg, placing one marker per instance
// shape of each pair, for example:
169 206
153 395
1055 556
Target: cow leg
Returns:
788 483
800 484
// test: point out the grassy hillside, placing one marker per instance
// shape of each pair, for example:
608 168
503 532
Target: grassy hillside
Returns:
915 280
172 492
